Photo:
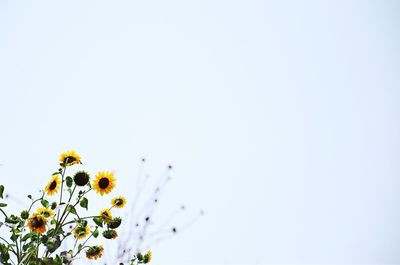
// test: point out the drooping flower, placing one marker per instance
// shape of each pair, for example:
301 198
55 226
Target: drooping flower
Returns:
69 158
110 234
118 202
104 182
94 252
115 223
37 223
54 185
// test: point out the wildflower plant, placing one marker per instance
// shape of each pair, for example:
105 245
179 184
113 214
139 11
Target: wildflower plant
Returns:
37 233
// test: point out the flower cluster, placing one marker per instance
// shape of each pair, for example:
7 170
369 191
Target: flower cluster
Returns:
39 231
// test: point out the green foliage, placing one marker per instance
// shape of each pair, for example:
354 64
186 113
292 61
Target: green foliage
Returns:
69 181
1 191
84 203
36 234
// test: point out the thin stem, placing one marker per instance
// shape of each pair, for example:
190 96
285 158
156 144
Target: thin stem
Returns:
5 215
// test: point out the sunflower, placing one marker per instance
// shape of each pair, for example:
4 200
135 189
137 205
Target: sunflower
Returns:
53 186
81 178
110 234
37 223
105 216
114 223
69 158
81 231
46 212
104 182
118 202
94 252
147 257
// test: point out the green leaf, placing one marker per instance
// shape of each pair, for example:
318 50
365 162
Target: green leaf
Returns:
1 191
27 236
95 233
3 204
97 221
49 261
44 202
12 219
68 181
84 203
71 209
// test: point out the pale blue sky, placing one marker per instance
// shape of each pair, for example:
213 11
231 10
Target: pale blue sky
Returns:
282 118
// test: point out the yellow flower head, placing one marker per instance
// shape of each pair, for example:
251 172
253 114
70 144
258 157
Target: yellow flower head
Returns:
104 182
118 202
81 231
69 158
37 223
54 185
94 252
46 212
147 257
105 216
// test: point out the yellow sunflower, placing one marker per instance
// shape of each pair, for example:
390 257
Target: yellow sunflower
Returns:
105 215
37 223
69 158
81 231
54 185
46 212
118 202
94 252
104 182
147 257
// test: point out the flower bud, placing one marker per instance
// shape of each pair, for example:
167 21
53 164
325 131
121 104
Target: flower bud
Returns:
24 215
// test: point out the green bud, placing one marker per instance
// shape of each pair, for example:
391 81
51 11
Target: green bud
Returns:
24 215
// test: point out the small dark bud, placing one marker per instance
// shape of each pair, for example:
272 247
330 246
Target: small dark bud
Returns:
53 205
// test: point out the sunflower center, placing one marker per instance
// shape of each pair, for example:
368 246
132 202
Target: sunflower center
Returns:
103 183
69 159
37 222
53 185
105 215
81 178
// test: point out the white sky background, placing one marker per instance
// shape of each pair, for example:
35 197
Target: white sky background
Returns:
282 119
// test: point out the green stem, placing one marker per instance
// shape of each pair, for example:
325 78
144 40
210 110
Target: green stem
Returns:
83 218
23 228
83 245
5 215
